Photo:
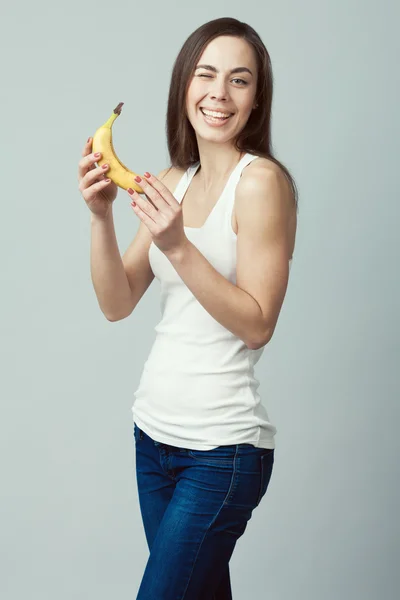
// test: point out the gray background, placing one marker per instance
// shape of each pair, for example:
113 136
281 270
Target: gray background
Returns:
329 525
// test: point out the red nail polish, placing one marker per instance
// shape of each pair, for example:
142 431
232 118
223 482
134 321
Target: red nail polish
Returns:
130 191
138 179
147 174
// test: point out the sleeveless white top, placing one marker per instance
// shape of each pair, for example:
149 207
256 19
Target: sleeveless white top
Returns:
198 389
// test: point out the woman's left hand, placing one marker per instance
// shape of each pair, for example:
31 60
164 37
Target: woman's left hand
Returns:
164 220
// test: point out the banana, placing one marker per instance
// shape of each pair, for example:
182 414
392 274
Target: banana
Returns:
117 171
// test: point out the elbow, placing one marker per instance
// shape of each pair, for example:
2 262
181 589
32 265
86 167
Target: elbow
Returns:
114 318
259 341
118 316
256 345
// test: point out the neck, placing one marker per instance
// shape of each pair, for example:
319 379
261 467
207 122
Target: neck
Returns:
216 164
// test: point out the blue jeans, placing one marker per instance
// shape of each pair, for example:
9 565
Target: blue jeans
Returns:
195 505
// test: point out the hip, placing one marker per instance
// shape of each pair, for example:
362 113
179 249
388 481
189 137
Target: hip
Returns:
241 472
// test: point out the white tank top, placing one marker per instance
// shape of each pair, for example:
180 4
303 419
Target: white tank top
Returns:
198 389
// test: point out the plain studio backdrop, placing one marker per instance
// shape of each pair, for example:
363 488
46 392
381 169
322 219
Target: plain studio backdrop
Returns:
329 524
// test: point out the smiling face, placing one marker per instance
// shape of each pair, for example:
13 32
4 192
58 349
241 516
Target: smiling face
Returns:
225 81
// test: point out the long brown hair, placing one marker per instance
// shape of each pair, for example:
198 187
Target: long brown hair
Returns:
255 137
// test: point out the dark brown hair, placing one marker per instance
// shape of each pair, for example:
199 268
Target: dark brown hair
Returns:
255 137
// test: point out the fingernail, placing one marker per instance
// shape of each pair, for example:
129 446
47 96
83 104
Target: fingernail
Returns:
138 179
97 154
130 191
88 140
147 174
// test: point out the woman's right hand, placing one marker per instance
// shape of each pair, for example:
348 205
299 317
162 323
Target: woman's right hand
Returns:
98 193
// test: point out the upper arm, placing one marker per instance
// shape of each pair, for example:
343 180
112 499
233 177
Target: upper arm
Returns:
136 260
264 207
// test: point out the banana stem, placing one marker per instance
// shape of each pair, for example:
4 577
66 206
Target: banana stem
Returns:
115 115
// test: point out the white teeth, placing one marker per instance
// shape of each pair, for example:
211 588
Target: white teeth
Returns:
212 113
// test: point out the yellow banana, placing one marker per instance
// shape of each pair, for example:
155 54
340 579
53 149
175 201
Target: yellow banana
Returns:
117 171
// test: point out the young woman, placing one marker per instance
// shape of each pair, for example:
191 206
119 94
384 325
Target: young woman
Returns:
217 228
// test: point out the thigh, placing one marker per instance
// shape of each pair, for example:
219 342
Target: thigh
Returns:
155 487
216 492
155 490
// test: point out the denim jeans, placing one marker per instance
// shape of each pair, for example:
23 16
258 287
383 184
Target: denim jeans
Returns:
195 505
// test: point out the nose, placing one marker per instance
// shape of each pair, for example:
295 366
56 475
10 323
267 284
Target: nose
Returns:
219 90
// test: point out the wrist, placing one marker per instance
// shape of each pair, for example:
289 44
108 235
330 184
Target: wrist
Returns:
94 219
178 254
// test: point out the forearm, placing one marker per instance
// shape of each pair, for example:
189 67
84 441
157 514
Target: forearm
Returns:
231 306
109 279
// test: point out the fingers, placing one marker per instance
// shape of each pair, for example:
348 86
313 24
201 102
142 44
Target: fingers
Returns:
94 189
87 162
92 176
87 149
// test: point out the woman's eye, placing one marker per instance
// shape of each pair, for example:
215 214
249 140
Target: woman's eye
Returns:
236 78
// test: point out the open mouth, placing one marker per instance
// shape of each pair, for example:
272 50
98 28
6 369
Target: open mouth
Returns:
211 118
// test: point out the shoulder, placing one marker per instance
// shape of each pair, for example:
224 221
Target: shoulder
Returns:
264 181
171 177
260 174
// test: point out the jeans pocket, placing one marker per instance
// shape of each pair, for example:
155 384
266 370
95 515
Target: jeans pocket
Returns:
217 456
266 465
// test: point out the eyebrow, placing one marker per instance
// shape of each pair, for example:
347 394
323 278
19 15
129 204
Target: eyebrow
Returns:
236 70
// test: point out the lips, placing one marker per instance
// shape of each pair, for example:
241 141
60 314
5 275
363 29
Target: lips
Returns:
215 110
